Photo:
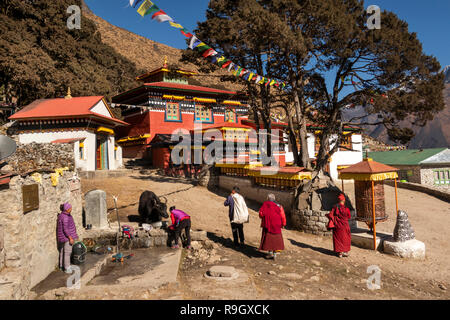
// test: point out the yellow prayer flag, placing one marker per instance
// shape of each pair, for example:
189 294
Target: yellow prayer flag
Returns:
144 7
176 25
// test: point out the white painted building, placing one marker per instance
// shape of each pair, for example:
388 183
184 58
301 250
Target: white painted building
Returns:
87 122
351 152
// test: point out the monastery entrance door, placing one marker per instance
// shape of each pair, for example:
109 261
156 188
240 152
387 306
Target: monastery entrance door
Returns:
101 157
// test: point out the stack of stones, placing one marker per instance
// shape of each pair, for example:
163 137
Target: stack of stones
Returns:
40 157
403 230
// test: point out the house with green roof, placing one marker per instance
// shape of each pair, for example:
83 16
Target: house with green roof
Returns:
424 166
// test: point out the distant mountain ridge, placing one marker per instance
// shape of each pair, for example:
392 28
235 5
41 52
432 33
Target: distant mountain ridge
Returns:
447 74
435 134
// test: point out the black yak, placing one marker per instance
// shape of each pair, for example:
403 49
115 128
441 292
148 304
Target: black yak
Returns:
151 209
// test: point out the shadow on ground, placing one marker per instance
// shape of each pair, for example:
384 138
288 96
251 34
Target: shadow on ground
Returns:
307 246
160 178
249 251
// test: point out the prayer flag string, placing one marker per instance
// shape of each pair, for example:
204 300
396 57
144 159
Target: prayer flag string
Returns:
147 7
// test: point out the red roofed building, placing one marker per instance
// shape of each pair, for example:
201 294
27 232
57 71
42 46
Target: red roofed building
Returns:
166 103
87 122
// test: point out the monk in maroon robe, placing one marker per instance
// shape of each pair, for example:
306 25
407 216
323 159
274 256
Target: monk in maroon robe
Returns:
338 222
271 223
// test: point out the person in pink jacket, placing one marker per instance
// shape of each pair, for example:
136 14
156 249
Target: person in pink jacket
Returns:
180 220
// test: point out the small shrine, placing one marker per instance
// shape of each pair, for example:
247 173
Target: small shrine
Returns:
369 179
86 122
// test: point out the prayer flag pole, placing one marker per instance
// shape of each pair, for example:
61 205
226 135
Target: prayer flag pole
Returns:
396 196
373 215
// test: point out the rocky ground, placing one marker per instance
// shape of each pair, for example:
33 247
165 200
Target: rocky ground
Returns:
307 269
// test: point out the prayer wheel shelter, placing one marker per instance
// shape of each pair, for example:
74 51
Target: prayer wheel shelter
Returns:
369 179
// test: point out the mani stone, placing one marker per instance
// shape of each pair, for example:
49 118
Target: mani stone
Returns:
96 209
404 244
403 230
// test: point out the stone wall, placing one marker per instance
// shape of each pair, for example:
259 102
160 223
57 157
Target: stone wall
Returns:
427 176
29 240
255 192
442 194
39 157
414 175
310 221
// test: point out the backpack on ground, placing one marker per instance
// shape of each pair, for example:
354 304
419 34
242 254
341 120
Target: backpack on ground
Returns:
79 251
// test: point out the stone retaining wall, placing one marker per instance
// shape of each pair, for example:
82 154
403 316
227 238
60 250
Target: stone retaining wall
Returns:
142 238
29 243
440 194
310 221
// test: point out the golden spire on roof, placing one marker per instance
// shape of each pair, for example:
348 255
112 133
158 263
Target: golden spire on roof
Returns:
165 62
69 95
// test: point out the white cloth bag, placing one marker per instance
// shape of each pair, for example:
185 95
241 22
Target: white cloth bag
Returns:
240 214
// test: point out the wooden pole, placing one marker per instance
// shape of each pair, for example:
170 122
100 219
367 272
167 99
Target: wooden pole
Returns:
373 216
396 196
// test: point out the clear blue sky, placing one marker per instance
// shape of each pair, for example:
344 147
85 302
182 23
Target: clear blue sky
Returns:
430 19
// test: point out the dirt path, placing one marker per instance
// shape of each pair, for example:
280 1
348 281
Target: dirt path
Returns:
307 269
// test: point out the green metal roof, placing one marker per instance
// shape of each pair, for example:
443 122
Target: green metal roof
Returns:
404 157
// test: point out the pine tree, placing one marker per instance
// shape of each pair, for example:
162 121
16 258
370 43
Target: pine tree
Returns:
40 57
310 44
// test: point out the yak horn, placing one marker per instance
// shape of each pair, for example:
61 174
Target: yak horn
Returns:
165 199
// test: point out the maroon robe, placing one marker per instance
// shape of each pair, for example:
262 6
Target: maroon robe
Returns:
339 217
271 224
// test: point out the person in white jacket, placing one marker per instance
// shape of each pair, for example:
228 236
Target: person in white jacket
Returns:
238 214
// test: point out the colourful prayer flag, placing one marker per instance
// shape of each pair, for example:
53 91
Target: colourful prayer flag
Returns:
209 52
145 8
176 25
186 33
201 47
237 70
214 58
161 16
194 42
226 64
246 75
134 3
220 61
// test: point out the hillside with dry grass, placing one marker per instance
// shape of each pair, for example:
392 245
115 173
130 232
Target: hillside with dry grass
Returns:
149 55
